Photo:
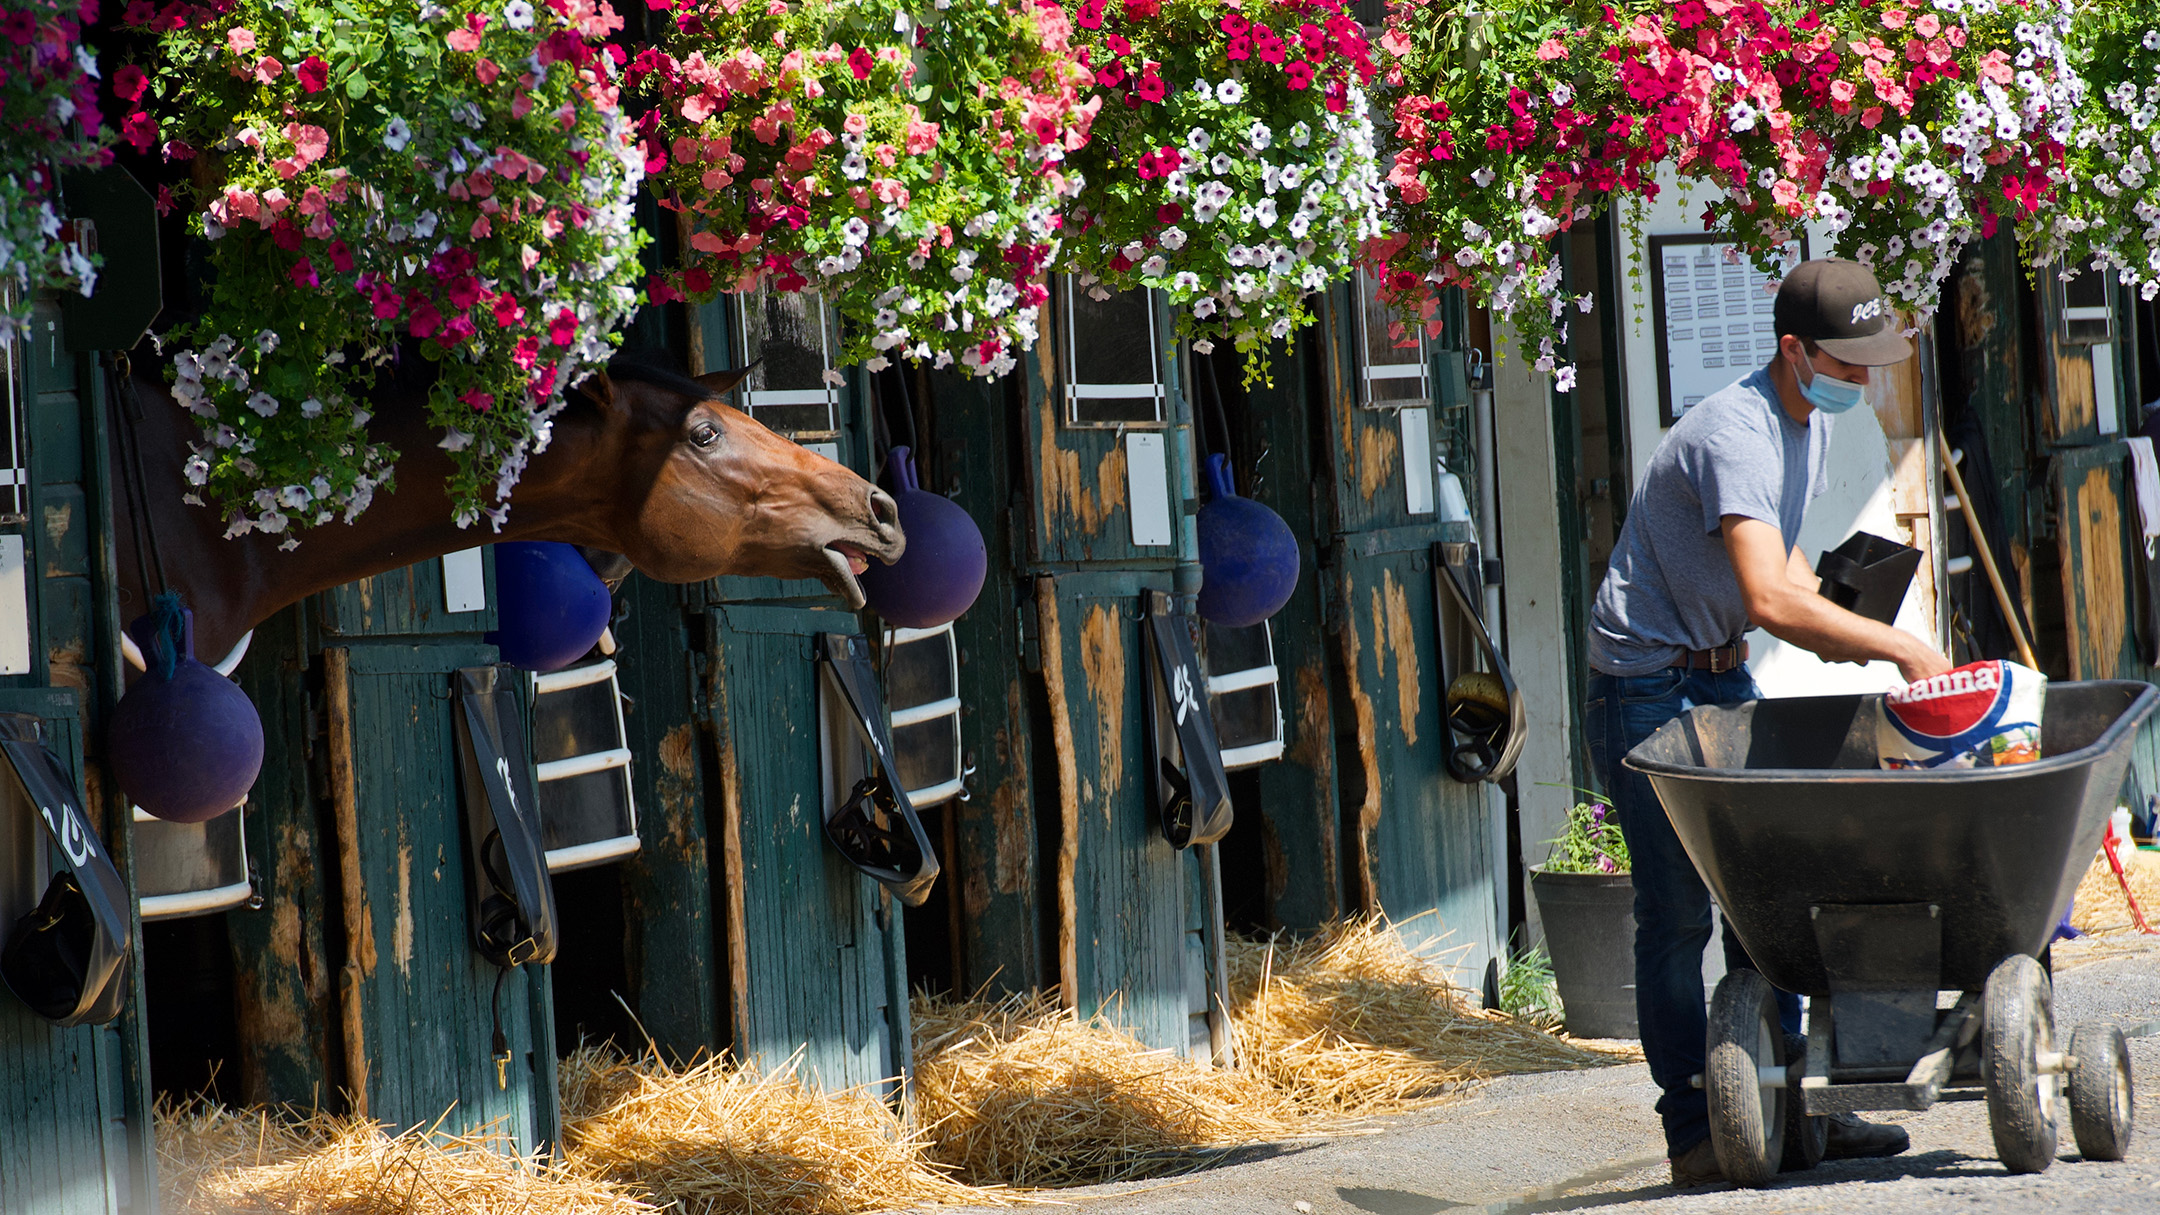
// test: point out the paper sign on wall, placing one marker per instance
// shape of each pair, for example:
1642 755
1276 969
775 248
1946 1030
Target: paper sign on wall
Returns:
464 581
1417 459
14 609
1147 489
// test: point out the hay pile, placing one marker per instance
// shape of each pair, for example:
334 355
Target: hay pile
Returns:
1019 1092
2100 906
214 1161
714 1139
1352 1021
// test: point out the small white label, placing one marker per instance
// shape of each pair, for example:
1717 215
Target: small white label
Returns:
830 451
2107 411
14 609
1147 488
464 581
1417 460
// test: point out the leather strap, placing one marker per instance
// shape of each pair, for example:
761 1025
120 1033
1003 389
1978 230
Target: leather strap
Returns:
1716 660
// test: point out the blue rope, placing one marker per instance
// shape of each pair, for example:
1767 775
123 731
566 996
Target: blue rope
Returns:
168 633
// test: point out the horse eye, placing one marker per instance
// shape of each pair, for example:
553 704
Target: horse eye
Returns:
705 435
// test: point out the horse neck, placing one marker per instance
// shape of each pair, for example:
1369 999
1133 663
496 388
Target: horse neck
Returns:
234 585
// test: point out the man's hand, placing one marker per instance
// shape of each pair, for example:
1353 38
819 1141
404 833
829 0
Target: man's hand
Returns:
1792 610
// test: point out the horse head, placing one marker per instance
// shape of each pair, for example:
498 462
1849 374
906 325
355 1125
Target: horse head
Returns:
720 493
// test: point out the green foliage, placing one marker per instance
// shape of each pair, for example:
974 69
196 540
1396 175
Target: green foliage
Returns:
1527 988
1591 843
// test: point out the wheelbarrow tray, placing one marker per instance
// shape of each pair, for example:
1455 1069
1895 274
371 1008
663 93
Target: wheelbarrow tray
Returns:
1783 809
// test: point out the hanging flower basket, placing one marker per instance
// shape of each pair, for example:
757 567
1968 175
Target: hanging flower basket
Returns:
1906 128
458 173
2107 217
907 165
1232 163
49 123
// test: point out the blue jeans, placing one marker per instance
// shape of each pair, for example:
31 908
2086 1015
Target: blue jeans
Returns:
1672 907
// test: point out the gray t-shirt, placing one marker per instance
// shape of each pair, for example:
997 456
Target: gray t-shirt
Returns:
1671 587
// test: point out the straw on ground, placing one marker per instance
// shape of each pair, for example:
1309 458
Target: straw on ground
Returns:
216 1161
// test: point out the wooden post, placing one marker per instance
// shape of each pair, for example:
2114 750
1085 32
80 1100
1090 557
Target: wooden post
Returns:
359 928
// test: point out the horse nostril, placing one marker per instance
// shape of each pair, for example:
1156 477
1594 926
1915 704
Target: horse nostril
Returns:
884 512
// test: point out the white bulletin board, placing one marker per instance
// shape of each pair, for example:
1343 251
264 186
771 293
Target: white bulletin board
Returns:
1711 316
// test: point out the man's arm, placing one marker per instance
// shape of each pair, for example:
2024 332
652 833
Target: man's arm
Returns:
1791 612
1797 569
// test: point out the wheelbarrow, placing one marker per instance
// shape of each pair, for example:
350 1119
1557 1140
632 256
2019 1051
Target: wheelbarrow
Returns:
1911 907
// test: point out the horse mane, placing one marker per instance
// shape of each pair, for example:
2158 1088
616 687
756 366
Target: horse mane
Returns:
659 369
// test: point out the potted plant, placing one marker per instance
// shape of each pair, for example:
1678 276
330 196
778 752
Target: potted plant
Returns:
1587 902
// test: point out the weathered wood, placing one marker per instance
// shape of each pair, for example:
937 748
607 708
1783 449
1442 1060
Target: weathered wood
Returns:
1295 811
63 1146
420 1002
282 974
808 939
1052 630
667 885
996 886
1130 908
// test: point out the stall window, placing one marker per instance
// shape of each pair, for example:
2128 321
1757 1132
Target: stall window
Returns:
587 815
1113 362
184 869
1244 694
1397 378
1390 376
790 390
922 690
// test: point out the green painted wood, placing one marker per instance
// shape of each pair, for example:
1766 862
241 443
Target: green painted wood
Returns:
1079 486
809 952
1130 908
403 602
424 1006
995 871
1291 803
1364 445
678 983
63 1145
284 981
1425 844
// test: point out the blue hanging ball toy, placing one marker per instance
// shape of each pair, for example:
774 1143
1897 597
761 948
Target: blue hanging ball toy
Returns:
186 743
550 607
941 572
1248 558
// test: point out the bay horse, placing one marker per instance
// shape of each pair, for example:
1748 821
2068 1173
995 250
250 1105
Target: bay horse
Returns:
646 463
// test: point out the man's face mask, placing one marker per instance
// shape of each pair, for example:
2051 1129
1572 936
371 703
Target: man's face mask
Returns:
1827 392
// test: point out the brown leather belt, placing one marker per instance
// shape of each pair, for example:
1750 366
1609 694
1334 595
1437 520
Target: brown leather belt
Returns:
1716 660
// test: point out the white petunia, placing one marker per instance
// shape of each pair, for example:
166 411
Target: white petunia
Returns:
396 134
263 403
518 15
1229 92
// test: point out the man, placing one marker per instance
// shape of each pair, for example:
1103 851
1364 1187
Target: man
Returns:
1708 551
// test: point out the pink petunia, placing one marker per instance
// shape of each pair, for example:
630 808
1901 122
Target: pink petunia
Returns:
129 83
312 73
425 321
268 69
303 274
240 39
341 257
860 63
480 401
563 329
310 143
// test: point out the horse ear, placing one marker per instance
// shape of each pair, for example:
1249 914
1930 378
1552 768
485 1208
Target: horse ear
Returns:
721 383
599 389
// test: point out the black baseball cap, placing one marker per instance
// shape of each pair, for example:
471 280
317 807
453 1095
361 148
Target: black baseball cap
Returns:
1838 305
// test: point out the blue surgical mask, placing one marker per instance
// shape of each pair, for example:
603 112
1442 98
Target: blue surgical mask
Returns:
1830 394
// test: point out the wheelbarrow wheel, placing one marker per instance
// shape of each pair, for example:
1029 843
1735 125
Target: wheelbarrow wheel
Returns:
1746 1044
1806 1138
2017 1030
2100 1096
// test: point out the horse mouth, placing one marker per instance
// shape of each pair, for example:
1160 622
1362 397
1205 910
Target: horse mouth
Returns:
847 562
